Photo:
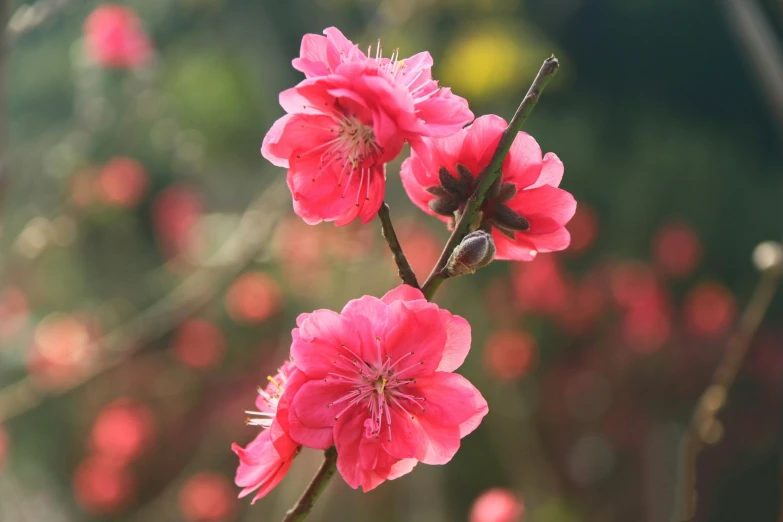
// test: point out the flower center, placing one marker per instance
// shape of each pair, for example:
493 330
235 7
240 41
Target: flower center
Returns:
270 397
377 388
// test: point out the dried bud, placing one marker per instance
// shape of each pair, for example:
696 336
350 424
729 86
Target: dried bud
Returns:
477 249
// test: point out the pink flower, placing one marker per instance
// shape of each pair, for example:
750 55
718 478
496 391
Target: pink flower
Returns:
497 505
524 210
347 119
266 460
115 38
378 384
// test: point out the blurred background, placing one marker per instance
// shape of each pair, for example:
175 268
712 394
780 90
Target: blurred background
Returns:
152 268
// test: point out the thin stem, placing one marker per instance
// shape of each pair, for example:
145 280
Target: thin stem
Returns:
490 173
403 267
305 504
704 423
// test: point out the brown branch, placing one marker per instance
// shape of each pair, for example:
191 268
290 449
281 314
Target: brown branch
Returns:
705 427
305 504
490 173
196 291
404 269
756 37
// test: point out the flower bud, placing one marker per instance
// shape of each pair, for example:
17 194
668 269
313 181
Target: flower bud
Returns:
477 249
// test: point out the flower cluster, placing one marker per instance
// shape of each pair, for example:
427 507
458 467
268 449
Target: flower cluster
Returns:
376 381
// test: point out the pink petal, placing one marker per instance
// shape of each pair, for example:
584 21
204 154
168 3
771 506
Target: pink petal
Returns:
522 166
445 113
402 293
273 481
551 171
401 468
417 330
317 342
552 241
439 443
405 437
481 141
521 249
313 406
272 139
546 201
312 59
457 341
451 399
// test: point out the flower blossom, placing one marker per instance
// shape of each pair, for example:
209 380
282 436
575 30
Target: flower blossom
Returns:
378 384
524 210
350 116
266 460
115 38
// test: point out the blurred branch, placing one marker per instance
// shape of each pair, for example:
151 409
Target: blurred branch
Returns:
757 39
490 173
197 290
705 428
29 17
403 267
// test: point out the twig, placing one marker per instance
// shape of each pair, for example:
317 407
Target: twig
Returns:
762 50
29 17
403 267
305 504
193 293
490 173
704 424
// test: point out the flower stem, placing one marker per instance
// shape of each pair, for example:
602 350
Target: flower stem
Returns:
490 173
704 421
305 504
403 267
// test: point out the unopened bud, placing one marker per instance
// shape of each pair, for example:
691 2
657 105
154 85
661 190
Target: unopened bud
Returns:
477 249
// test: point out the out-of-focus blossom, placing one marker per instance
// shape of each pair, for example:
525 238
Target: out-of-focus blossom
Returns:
63 349
421 246
175 212
207 497
123 430
5 443
82 186
379 385
102 486
253 298
541 286
347 119
509 355
122 182
709 310
115 38
645 304
14 311
524 210
264 462
199 343
497 505
583 228
677 249
585 305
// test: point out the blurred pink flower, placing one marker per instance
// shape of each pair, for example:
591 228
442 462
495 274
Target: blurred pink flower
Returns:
497 505
677 249
207 497
266 460
122 182
253 298
199 343
379 385
103 486
347 119
541 286
114 38
14 311
122 431
709 310
175 213
583 228
509 355
524 210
